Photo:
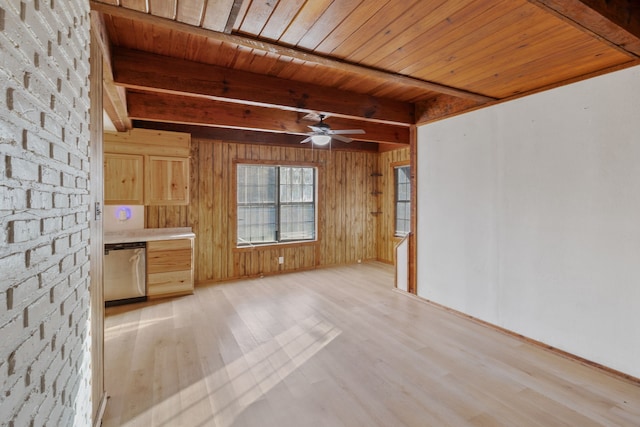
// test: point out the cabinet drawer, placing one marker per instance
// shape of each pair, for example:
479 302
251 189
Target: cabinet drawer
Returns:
169 255
170 283
168 245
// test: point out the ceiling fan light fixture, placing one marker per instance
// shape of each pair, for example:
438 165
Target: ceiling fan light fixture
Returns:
320 139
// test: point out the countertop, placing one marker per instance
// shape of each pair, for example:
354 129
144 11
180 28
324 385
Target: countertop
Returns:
148 234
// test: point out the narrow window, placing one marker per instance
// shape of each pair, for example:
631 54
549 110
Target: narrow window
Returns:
403 200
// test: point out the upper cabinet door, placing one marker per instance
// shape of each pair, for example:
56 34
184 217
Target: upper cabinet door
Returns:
123 183
167 181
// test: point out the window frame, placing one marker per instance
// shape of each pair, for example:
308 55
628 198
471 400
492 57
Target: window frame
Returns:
395 168
279 241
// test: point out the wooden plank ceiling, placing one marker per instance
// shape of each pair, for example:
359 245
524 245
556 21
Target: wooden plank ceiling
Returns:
239 68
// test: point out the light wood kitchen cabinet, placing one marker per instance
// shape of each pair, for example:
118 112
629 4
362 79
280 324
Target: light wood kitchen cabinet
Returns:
123 179
169 267
147 167
166 181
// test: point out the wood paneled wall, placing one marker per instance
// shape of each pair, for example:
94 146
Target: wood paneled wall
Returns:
386 241
348 231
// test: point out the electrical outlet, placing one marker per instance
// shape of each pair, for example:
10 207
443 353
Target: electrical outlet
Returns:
280 260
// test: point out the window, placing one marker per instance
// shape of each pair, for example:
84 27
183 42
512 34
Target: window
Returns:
275 204
403 200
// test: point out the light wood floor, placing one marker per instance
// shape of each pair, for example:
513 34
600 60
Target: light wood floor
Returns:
338 347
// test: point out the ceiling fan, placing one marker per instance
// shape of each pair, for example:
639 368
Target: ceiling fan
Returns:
322 134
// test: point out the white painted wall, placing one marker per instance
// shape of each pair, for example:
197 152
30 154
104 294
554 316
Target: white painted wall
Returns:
529 217
402 265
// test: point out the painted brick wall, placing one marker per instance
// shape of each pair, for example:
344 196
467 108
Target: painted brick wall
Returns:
44 213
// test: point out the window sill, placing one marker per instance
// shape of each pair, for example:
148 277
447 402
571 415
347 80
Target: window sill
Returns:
269 246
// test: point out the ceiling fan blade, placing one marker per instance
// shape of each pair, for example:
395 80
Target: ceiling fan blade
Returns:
305 140
347 132
341 138
318 128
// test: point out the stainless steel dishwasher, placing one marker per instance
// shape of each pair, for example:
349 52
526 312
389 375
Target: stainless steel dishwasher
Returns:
124 273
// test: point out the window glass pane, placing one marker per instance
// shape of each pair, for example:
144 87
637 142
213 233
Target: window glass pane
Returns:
257 208
403 218
241 180
297 211
292 185
403 197
297 222
400 214
402 192
308 193
256 224
256 184
285 173
285 193
403 174
296 193
308 176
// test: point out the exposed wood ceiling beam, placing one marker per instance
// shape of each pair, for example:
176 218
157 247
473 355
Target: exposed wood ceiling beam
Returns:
114 104
442 106
114 98
145 71
254 137
284 51
615 21
200 111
